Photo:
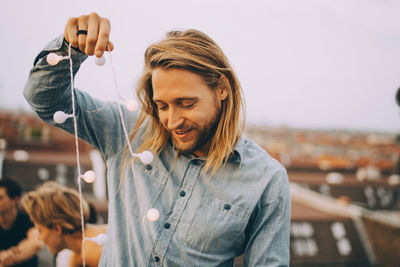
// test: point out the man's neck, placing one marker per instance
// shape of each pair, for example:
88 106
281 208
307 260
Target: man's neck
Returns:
7 219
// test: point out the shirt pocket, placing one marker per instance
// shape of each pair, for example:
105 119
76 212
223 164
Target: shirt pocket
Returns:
216 226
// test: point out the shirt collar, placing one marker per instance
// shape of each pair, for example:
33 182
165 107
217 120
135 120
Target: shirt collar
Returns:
234 157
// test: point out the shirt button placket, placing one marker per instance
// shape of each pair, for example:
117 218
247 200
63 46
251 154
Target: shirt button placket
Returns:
169 227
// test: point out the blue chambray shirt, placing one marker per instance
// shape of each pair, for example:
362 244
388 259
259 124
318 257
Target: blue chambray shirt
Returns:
205 220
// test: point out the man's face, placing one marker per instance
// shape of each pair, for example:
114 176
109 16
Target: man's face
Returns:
188 108
6 203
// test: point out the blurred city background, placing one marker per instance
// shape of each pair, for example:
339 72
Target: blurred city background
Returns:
345 185
319 78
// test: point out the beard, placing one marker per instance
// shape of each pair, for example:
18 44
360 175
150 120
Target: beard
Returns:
203 136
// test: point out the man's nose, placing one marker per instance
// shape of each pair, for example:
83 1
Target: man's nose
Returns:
175 119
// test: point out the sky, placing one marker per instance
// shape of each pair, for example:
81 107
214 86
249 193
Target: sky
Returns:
301 63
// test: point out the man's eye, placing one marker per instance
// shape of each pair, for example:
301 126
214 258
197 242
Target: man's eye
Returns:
188 105
162 107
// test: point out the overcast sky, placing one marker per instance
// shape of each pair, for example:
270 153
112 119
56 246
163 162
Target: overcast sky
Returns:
324 64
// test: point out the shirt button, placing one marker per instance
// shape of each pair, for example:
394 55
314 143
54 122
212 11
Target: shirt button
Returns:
182 193
167 225
148 167
227 207
156 258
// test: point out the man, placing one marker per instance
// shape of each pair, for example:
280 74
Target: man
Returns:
19 241
218 194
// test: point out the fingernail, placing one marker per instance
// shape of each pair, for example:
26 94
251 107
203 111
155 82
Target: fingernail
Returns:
98 53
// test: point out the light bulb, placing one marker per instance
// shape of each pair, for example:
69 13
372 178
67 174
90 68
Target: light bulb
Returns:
131 105
146 157
152 215
89 176
100 61
101 239
53 59
61 117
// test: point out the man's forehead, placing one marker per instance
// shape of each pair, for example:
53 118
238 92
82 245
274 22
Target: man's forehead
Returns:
176 83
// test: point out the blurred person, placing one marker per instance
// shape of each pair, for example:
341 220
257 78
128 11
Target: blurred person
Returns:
19 242
62 258
55 212
218 194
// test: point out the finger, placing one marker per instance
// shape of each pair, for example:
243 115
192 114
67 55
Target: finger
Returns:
103 37
92 36
110 46
82 25
70 32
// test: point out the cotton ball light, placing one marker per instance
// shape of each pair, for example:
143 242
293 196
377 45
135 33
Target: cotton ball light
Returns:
89 176
152 215
101 239
146 157
60 117
53 59
100 61
131 105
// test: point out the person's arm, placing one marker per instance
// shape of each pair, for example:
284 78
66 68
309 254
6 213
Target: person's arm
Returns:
92 256
25 249
48 87
75 260
269 231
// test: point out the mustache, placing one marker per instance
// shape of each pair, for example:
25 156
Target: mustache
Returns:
182 127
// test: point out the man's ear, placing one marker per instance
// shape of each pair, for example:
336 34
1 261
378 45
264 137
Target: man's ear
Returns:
223 88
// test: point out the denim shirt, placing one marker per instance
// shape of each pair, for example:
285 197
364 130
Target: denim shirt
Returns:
205 220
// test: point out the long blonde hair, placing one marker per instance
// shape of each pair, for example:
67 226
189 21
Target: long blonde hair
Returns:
53 204
194 51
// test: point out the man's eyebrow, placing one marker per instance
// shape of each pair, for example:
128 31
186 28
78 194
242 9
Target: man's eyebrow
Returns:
186 98
178 99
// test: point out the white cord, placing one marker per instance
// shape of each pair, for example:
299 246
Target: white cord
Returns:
77 154
119 105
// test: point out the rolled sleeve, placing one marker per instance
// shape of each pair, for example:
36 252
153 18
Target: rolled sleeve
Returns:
269 233
48 90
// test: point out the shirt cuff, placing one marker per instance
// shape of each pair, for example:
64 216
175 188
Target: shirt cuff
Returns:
60 45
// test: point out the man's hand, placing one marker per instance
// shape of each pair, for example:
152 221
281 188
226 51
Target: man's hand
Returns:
9 257
25 250
96 40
